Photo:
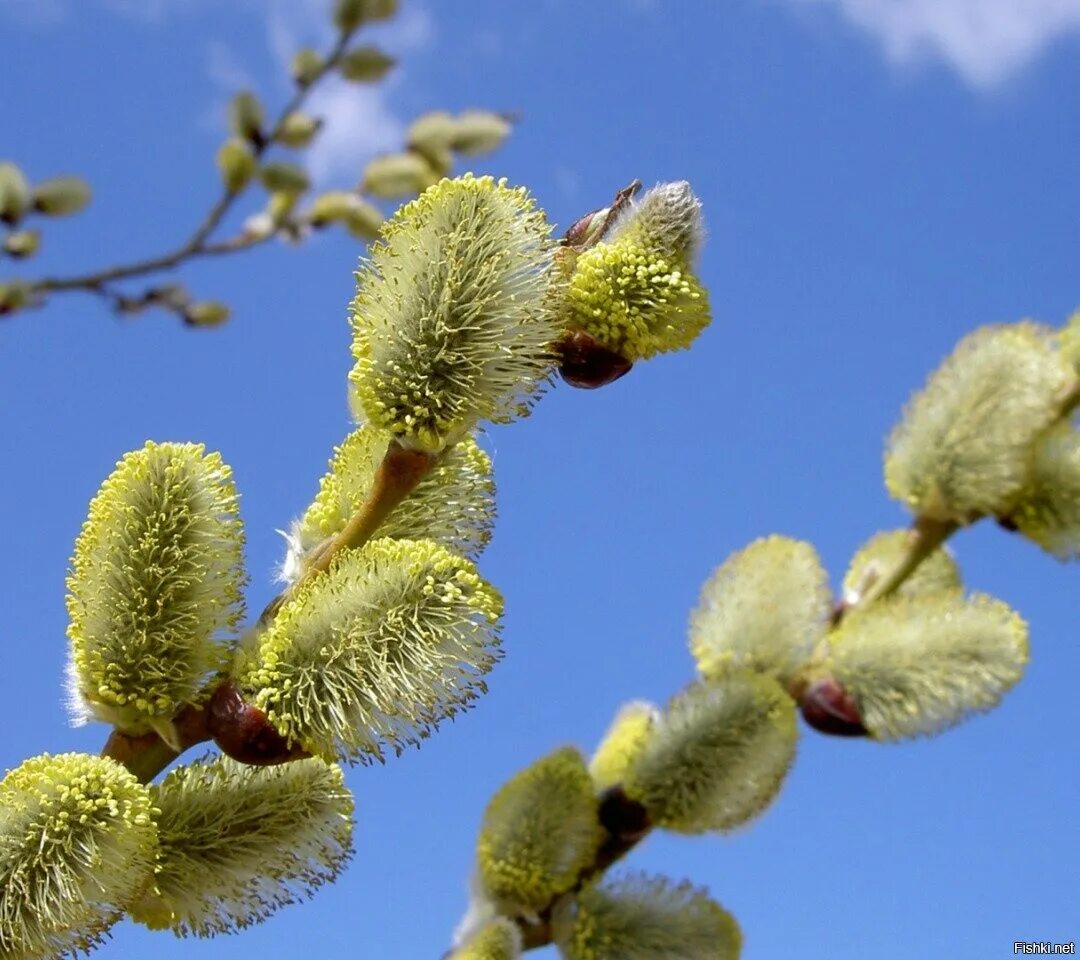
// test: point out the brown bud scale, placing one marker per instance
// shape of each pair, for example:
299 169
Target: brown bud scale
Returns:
829 708
243 732
587 364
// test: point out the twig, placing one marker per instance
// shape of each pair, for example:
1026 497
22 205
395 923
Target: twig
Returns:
196 245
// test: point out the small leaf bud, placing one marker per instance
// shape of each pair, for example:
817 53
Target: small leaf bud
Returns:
397 175
237 164
348 14
279 176
365 64
246 117
22 243
14 295
479 131
306 66
358 216
539 832
14 193
298 129
60 196
431 131
206 313
882 552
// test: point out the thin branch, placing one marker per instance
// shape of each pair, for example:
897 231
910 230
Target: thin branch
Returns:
196 245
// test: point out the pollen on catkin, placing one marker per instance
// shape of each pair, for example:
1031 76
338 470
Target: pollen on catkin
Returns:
540 830
498 939
77 845
963 446
882 552
239 842
718 755
635 292
452 322
1049 509
157 571
764 608
454 504
622 744
919 665
640 917
373 653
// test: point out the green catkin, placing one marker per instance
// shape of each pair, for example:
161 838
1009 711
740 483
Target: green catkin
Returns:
718 755
764 608
77 845
452 321
157 572
373 653
239 842
539 832
919 665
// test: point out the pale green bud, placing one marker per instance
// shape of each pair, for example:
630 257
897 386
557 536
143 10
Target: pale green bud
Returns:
77 845
918 665
157 572
478 131
298 129
61 196
348 14
280 204
397 175
306 66
451 322
375 652
237 164
498 939
635 292
718 755
431 131
358 216
1049 512
454 504
623 743
206 313
963 447
22 243
246 117
365 64
279 176
240 842
14 193
14 295
639 917
539 832
765 608
883 552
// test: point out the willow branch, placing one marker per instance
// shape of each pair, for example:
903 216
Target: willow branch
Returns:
197 244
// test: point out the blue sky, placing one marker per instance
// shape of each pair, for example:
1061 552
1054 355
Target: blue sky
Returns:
879 176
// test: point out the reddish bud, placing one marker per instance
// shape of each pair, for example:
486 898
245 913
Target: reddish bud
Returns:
829 708
243 732
587 364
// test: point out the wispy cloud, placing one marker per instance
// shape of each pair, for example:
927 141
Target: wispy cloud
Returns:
985 41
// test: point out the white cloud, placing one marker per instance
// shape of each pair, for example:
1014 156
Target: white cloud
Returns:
360 121
985 41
